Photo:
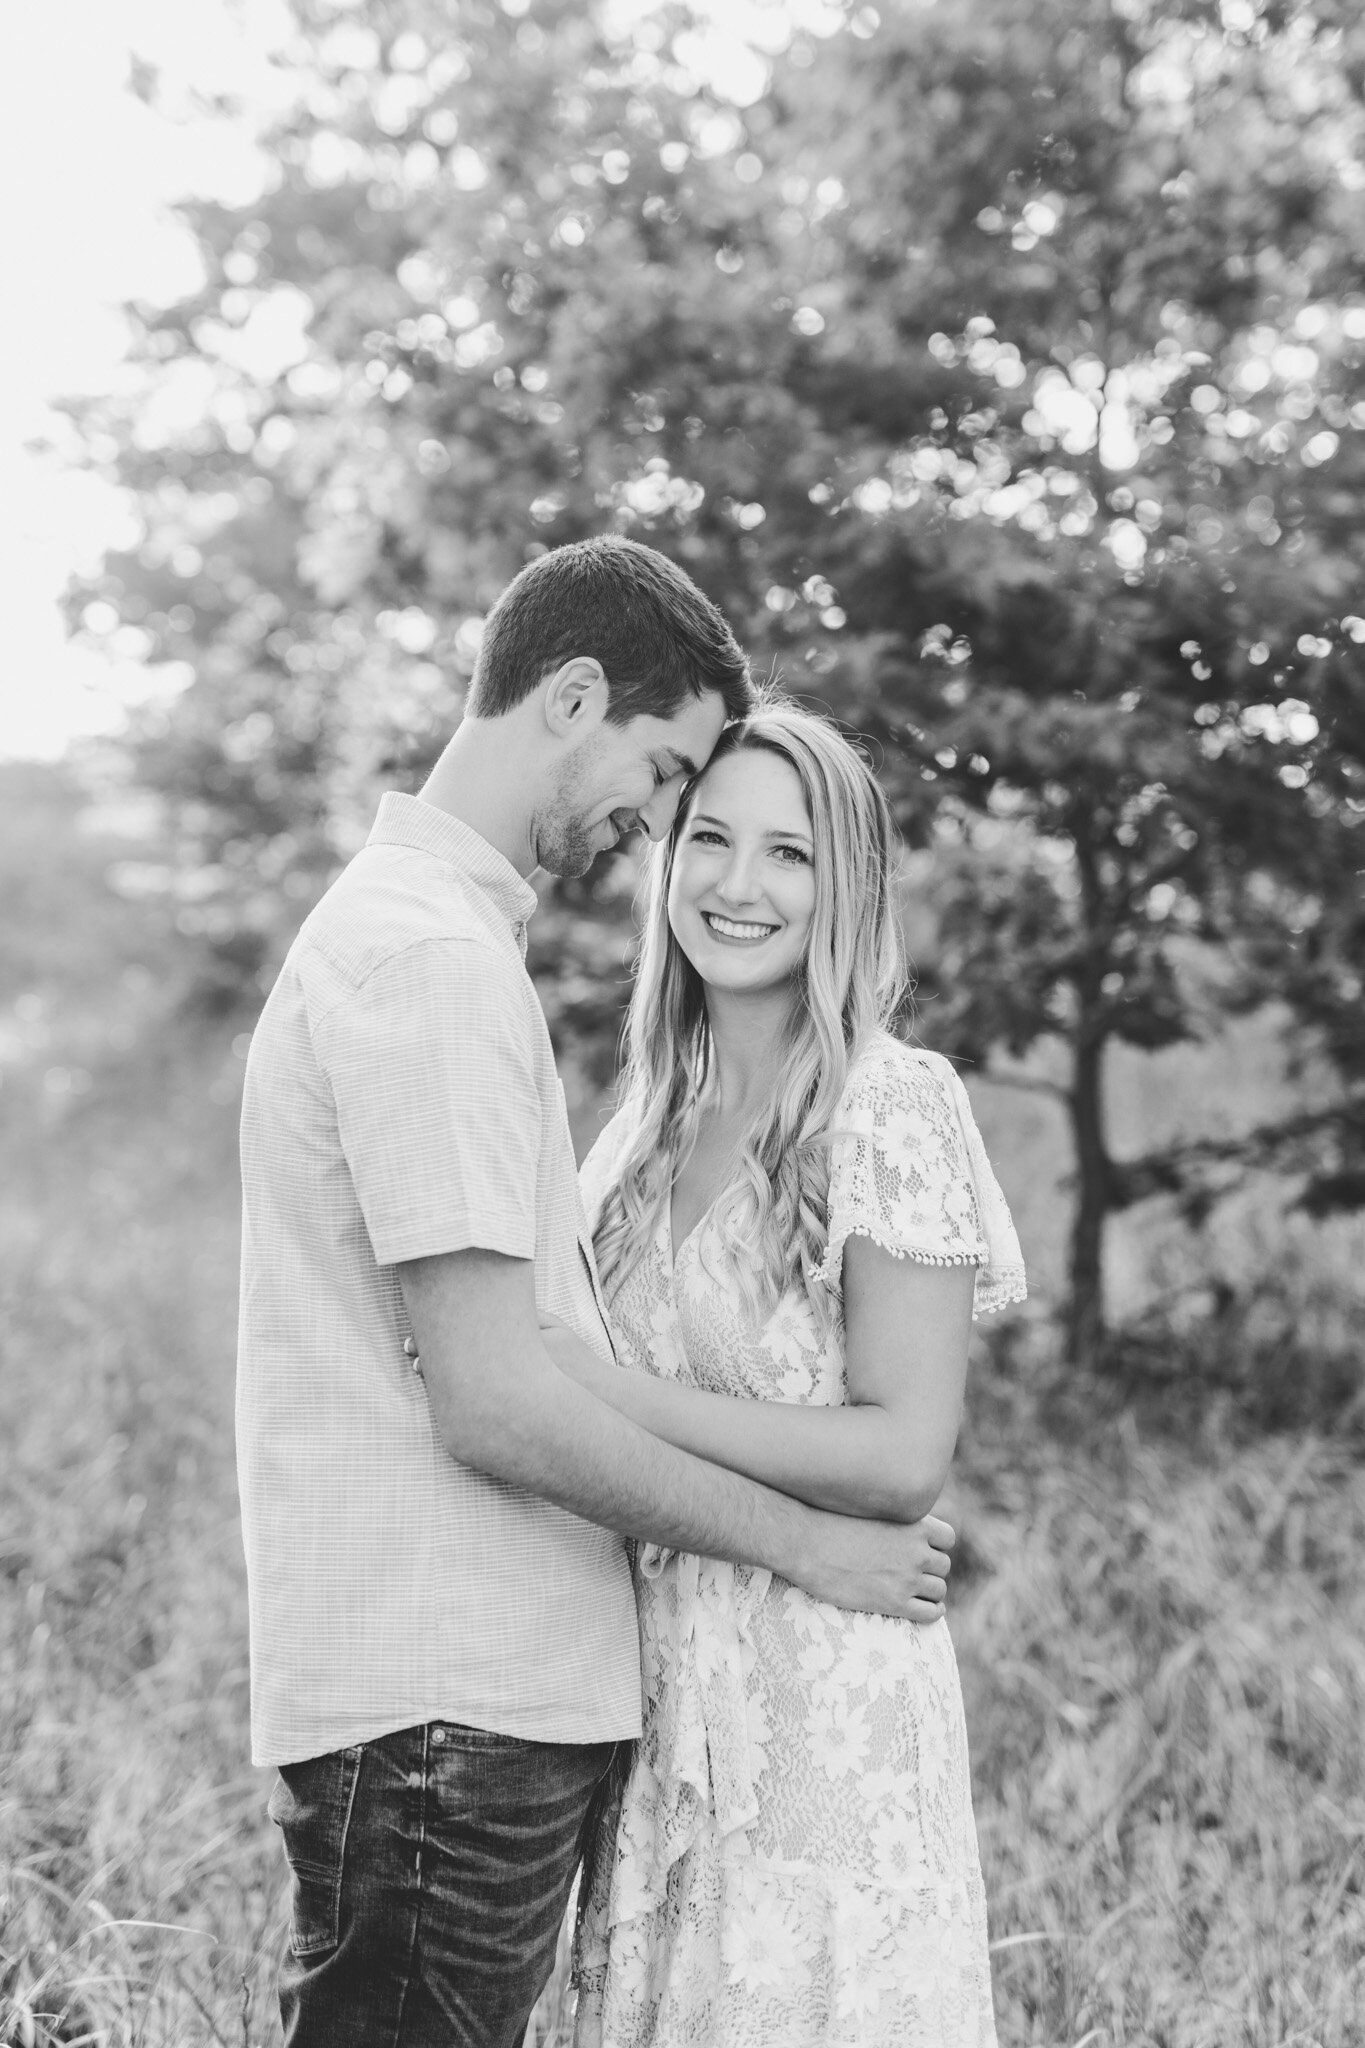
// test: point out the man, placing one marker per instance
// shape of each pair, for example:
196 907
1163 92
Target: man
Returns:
444 1650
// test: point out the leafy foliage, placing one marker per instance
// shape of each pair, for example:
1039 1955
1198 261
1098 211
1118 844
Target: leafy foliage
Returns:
1000 369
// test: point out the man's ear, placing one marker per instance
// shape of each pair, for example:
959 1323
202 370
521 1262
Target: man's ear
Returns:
576 697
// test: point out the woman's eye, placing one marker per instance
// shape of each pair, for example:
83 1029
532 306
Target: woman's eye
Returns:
793 855
704 836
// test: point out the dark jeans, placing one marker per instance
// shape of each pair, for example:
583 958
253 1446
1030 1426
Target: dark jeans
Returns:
431 1872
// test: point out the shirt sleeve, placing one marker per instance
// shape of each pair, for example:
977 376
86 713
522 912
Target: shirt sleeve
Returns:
431 1063
908 1170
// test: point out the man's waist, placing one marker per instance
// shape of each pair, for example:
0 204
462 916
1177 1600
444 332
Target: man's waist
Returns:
550 1657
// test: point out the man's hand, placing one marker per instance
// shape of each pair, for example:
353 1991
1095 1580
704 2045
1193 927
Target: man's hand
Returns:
879 1567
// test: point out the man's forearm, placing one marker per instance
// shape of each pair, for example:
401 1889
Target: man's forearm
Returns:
848 1460
501 1405
558 1440
859 1459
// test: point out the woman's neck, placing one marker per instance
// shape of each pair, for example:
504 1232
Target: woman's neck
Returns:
747 1033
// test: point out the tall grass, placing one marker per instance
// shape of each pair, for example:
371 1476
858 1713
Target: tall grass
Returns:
139 1889
137 1886
1163 1648
1159 1609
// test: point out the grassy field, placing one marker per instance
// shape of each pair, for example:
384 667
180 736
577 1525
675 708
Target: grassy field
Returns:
1159 1606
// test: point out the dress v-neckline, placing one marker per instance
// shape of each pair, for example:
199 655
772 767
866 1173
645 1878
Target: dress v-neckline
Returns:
676 1247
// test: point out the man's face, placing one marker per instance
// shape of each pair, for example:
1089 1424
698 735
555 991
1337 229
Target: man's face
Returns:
621 776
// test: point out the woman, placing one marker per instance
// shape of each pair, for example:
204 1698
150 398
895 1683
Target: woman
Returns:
793 1218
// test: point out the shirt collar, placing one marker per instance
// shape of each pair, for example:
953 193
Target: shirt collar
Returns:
411 821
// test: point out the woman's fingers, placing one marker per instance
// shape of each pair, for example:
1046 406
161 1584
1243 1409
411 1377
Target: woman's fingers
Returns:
924 1610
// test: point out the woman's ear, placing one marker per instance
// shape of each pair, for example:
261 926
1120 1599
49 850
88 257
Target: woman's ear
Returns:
575 697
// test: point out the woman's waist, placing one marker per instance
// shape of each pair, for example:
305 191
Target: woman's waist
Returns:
783 1634
694 1587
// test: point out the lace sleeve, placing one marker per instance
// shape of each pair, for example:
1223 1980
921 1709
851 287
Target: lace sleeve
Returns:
909 1171
596 1173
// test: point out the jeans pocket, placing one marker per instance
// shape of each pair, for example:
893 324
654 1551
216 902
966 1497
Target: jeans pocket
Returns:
311 1805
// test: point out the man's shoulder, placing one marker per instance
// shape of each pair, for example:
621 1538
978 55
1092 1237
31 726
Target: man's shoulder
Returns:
389 908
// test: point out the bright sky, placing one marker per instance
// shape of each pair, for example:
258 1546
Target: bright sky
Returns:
90 173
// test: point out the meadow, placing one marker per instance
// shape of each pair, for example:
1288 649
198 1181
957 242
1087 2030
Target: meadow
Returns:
1158 1602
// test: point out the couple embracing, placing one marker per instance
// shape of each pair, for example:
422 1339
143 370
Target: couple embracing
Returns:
470 1378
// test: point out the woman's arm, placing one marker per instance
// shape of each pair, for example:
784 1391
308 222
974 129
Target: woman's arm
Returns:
886 1454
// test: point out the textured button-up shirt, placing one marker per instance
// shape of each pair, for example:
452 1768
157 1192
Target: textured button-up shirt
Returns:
401 1101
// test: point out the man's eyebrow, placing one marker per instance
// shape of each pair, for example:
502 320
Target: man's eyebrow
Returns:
685 763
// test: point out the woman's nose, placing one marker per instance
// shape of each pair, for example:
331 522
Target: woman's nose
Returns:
739 883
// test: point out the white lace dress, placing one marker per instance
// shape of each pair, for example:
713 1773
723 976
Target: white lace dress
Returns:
795 1859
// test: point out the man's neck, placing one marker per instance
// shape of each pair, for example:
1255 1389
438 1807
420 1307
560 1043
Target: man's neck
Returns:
485 779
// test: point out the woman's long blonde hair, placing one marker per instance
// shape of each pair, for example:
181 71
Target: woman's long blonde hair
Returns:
851 982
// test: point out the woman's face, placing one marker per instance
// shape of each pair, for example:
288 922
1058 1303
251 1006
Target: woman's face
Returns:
742 894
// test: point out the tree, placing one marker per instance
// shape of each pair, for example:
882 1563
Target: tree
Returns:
1109 616
999 370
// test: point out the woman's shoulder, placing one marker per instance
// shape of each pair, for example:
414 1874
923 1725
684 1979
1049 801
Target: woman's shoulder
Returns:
611 1140
910 1171
597 1173
887 1074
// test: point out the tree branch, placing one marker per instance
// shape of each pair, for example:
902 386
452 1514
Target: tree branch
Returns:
1174 1171
1030 1084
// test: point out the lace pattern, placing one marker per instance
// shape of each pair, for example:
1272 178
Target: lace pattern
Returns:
792 1860
909 1171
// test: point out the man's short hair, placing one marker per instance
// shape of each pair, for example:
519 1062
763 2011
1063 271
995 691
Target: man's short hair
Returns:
659 640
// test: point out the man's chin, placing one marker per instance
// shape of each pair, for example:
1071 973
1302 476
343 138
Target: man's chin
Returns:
569 854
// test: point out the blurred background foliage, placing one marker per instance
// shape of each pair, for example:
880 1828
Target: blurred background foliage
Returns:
1000 369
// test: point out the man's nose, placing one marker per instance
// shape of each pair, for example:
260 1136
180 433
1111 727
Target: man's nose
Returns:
658 814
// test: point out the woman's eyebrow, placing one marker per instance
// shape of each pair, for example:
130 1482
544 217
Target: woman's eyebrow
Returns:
709 818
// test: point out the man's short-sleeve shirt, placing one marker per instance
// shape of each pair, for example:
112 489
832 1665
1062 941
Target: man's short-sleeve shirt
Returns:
401 1101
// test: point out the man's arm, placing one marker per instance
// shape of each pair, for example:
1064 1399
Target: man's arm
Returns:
502 1406
886 1452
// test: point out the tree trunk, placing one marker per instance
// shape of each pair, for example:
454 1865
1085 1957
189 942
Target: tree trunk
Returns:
1085 1305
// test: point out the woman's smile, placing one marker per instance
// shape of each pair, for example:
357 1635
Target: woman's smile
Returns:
735 930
